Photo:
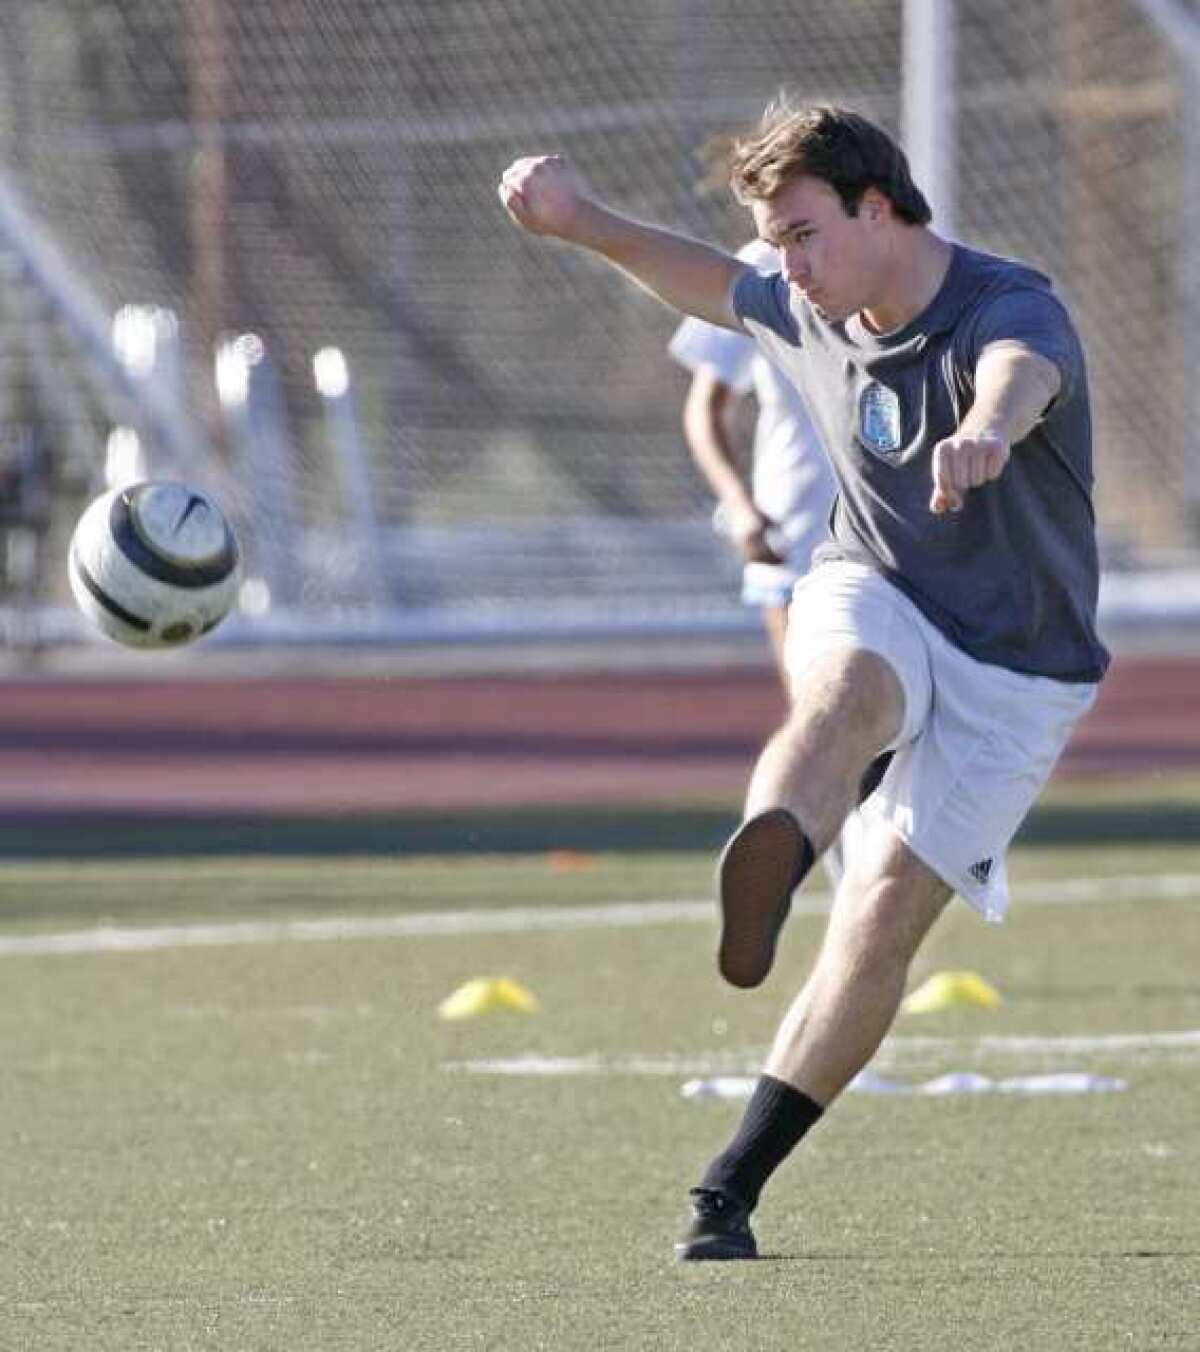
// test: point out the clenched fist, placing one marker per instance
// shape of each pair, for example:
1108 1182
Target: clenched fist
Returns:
962 462
543 194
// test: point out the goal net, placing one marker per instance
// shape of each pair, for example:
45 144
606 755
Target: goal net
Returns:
258 244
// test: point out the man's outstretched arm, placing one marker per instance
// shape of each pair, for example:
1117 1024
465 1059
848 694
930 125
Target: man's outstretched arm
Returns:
1013 388
547 196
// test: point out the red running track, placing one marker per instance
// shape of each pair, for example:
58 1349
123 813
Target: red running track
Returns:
374 745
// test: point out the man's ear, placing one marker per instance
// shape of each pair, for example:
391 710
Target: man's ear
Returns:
874 207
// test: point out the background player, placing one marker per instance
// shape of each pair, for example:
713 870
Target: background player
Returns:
782 515
778 517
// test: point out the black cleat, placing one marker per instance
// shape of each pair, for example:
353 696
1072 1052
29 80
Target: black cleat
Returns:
873 776
718 1231
760 868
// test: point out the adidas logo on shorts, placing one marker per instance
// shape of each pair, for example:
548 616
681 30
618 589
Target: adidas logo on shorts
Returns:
982 871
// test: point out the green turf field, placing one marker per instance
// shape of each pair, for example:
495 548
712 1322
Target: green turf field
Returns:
270 1140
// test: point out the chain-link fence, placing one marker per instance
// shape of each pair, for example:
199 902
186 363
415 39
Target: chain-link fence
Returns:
277 180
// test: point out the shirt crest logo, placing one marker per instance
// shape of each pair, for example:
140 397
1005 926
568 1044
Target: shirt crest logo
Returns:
879 419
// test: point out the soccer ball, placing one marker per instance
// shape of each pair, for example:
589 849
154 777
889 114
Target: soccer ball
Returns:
154 565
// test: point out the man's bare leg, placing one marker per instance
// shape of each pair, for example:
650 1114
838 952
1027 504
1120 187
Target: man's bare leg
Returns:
775 622
886 904
848 704
884 908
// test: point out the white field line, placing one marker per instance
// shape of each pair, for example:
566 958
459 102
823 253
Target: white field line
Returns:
526 919
750 1061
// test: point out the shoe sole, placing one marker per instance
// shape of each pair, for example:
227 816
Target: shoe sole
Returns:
756 875
714 1251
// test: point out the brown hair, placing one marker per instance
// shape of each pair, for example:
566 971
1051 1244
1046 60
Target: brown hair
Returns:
833 144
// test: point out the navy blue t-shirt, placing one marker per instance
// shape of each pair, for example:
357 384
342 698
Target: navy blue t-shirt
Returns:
1013 578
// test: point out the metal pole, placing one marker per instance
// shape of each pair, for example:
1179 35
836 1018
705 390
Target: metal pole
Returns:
331 375
208 59
930 105
1181 29
1189 294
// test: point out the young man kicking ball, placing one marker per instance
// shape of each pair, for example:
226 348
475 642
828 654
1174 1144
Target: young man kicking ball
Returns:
951 620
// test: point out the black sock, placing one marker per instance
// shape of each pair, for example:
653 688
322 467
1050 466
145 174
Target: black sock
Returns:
777 1116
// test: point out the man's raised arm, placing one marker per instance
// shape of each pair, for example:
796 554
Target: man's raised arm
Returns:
1013 388
547 196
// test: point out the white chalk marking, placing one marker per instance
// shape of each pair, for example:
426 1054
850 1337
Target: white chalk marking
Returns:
419 924
957 1082
748 1061
526 919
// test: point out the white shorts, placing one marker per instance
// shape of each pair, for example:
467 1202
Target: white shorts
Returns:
770 584
978 741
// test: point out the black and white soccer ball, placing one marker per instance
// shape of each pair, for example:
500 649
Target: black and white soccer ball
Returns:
154 565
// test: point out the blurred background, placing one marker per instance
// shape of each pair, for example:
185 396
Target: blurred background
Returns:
490 688
490 674
258 245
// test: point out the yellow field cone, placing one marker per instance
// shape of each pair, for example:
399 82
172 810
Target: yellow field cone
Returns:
485 994
945 990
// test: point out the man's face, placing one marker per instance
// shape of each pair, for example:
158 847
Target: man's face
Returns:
832 259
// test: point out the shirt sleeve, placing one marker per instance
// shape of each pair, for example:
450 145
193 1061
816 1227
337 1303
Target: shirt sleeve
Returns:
1037 320
761 302
698 345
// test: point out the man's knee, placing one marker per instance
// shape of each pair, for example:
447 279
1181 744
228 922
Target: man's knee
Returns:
882 917
856 692
866 929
